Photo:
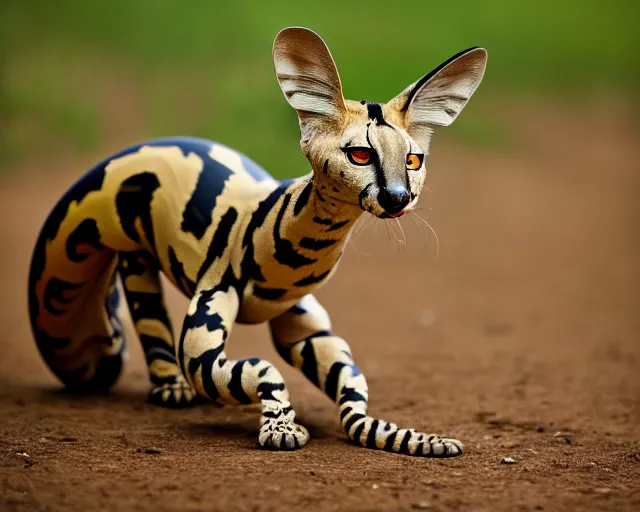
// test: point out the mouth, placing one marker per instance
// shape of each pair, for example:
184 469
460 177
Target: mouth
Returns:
406 209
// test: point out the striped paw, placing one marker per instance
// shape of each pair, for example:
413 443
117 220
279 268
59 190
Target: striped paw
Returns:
410 442
441 447
280 432
418 444
173 395
381 435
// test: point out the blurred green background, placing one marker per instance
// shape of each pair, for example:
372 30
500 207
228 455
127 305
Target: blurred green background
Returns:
78 75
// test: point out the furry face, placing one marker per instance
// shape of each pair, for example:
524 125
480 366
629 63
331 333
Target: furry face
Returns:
372 161
367 154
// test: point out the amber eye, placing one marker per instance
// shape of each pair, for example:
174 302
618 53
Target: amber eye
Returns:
359 156
414 161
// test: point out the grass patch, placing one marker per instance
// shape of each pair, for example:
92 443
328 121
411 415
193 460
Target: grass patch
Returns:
204 68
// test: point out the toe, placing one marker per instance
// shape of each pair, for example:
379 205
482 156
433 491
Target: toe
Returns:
445 447
453 447
174 396
282 437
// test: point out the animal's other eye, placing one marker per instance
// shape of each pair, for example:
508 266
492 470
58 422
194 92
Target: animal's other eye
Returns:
414 161
359 156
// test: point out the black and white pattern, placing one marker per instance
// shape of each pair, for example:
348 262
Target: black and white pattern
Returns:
244 247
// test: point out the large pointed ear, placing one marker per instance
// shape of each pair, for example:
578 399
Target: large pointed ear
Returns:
439 96
308 76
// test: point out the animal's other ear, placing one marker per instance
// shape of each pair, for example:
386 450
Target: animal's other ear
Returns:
439 96
308 77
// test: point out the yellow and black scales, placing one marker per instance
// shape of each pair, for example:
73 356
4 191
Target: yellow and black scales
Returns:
242 246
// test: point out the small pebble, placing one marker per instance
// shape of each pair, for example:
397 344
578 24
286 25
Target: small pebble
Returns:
508 460
421 505
374 486
149 451
602 490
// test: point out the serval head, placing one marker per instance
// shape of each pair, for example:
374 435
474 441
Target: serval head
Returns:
373 155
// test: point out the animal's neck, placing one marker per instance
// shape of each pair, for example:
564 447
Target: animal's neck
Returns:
309 228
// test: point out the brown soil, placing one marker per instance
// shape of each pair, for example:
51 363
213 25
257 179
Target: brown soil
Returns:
522 339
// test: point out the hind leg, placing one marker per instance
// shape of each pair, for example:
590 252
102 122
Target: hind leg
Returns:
143 290
204 362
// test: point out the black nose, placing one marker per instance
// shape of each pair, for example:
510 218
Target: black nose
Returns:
393 199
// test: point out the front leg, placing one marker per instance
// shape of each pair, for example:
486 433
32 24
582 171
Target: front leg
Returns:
303 337
204 363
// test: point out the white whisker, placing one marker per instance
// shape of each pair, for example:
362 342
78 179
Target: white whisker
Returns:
355 235
433 231
386 225
393 230
404 236
424 231
361 226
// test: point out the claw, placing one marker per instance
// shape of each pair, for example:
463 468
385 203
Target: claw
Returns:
173 395
279 434
443 447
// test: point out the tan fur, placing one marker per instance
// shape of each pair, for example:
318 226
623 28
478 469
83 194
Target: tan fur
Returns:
243 247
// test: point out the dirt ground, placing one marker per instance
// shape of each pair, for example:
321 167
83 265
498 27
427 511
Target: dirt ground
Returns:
522 339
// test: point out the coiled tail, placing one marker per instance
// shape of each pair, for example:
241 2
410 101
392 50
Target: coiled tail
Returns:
74 292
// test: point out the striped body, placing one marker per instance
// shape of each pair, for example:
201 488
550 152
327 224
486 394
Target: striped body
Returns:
190 207
243 247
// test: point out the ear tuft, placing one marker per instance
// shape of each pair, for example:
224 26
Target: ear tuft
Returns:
307 74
